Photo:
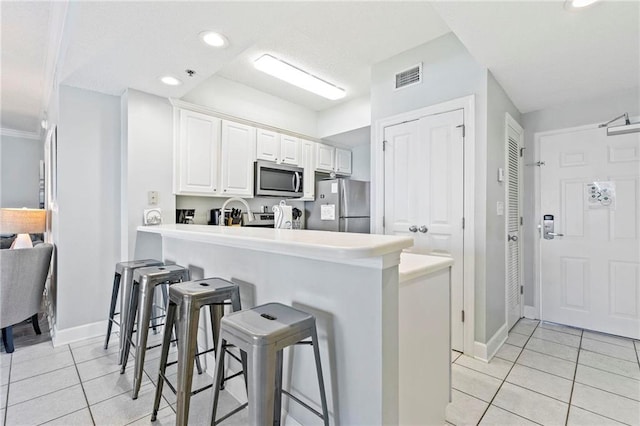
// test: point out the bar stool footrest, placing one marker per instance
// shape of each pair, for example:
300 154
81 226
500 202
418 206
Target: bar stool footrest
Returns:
304 404
231 413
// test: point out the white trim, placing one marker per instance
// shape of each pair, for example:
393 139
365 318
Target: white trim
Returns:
57 20
81 332
510 122
485 352
177 103
20 134
467 104
531 312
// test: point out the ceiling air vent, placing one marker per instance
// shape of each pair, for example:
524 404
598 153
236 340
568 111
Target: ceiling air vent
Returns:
409 77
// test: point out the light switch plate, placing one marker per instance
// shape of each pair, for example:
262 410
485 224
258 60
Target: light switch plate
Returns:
500 208
152 198
500 174
152 217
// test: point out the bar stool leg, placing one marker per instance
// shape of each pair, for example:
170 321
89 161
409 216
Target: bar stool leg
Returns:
277 404
126 283
188 320
112 308
133 307
323 396
262 377
236 305
215 313
144 316
217 378
166 344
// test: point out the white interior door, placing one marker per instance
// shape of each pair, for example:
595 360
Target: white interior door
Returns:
513 243
424 193
590 276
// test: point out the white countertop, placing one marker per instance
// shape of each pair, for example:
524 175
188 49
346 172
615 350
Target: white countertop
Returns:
414 265
338 245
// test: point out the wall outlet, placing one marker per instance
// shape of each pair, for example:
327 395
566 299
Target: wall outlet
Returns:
152 198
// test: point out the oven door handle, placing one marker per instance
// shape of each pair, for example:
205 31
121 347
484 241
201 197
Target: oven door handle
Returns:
296 181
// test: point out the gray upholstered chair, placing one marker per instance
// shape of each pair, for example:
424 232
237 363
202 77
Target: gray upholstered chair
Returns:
23 273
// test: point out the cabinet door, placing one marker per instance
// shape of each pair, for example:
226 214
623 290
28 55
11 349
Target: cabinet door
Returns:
267 145
238 154
325 158
198 153
343 161
290 150
308 162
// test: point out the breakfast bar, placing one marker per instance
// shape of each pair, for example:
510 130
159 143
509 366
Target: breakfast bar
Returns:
351 284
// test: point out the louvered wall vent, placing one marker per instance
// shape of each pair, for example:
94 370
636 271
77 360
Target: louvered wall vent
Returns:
409 77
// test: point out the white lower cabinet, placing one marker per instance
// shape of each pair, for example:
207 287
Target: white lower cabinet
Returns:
238 147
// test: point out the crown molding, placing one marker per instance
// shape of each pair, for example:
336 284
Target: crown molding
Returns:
20 134
57 20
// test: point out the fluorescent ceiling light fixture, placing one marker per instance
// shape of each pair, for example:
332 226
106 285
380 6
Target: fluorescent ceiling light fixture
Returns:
298 77
214 39
578 4
170 80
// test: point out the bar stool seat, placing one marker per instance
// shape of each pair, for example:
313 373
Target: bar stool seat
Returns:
263 332
188 298
145 280
123 277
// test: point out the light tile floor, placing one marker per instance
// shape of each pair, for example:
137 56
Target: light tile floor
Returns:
545 374
81 384
549 374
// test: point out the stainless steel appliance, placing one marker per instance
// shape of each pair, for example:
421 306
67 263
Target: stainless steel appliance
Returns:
278 180
260 220
341 205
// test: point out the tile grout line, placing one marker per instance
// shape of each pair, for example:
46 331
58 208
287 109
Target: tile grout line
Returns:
82 387
573 383
507 375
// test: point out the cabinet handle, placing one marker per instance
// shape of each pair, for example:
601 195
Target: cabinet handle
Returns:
423 229
413 228
225 190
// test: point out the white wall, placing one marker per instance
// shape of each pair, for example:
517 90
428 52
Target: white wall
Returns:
88 236
20 171
347 116
573 114
241 101
147 163
361 162
493 288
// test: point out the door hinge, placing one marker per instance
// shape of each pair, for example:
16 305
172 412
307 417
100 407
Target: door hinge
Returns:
463 223
521 220
463 129
522 152
384 145
463 316
521 289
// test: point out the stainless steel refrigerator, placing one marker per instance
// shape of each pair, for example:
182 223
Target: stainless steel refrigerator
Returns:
341 205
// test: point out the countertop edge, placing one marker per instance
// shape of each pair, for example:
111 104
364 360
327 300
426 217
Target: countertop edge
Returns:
417 265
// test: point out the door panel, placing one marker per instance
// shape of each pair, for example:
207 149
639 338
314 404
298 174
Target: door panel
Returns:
513 267
590 277
424 193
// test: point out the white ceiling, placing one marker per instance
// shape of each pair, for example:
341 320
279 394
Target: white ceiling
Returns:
542 54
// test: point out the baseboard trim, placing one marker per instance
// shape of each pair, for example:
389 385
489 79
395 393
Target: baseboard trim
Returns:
531 312
74 334
486 351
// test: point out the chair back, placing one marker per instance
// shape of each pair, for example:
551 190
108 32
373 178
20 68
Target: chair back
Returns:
23 274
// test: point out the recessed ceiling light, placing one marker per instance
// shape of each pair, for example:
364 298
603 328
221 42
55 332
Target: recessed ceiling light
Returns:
214 39
298 77
578 4
170 80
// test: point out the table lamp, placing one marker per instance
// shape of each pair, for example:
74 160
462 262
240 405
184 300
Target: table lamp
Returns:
22 222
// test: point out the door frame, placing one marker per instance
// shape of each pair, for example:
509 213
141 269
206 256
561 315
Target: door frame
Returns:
467 104
537 287
511 122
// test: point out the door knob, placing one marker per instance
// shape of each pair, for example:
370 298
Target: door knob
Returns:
423 229
413 228
555 234
512 238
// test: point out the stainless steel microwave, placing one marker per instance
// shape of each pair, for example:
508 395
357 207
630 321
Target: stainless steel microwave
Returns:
278 180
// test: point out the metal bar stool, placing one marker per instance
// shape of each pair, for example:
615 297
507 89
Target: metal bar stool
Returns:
145 280
124 276
262 333
188 298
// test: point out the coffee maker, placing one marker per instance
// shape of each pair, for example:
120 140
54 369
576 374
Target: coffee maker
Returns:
185 215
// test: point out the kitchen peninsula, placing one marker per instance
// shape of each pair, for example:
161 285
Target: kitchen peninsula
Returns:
349 282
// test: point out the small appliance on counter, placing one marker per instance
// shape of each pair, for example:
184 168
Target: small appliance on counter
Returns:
260 220
231 217
185 215
283 215
341 205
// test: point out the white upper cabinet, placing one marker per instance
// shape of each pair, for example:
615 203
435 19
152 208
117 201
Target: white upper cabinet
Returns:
343 161
325 158
238 148
290 150
267 145
308 160
197 150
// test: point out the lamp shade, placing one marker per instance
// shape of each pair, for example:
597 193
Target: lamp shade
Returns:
22 221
